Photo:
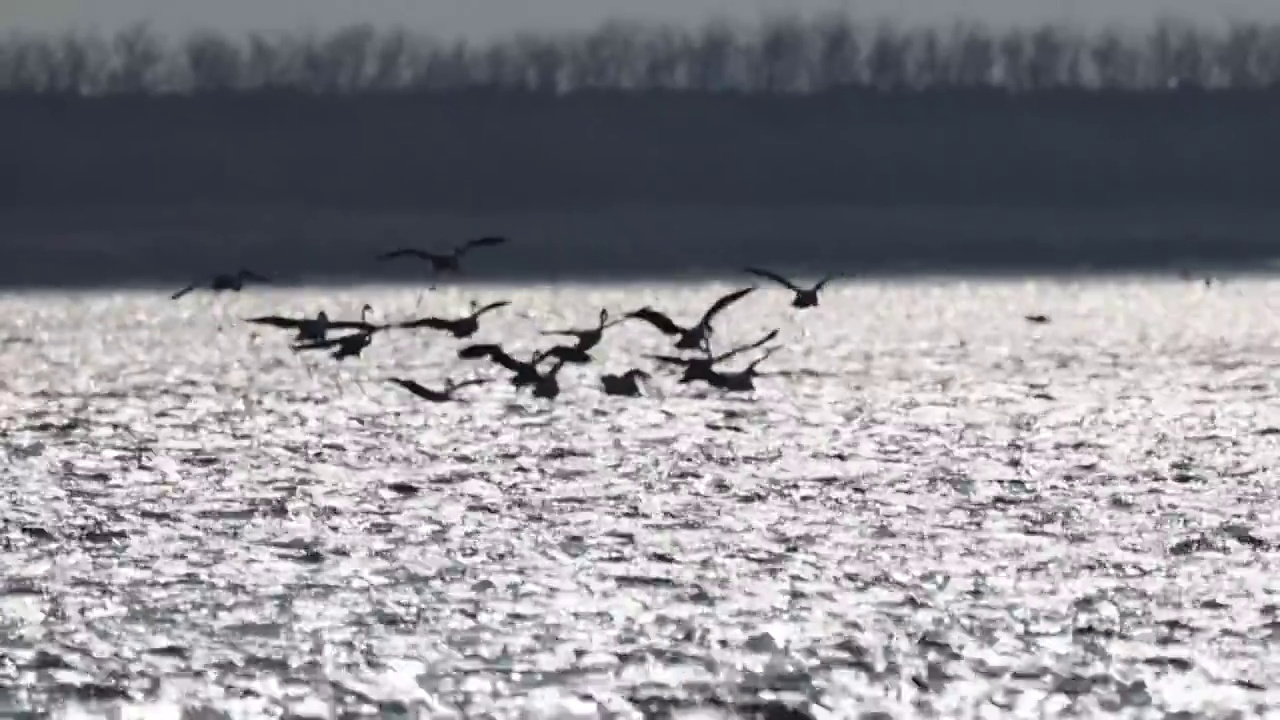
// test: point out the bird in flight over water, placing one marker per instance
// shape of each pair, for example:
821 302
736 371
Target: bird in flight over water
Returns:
805 297
695 337
445 262
225 281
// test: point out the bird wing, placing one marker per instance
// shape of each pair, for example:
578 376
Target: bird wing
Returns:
280 322
762 358
823 282
429 322
411 386
486 241
566 353
490 306
492 352
567 331
769 336
251 275
723 303
476 351
656 319
407 252
770 275
183 291
670 359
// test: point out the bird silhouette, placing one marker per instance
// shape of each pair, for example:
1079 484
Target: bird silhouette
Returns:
449 261
696 336
445 394
805 297
316 328
463 327
223 282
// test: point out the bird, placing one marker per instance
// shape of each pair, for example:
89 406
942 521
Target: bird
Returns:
696 336
805 297
316 328
589 337
224 281
523 373
568 354
445 394
703 368
463 327
445 262
741 380
627 384
346 346
546 385
1036 319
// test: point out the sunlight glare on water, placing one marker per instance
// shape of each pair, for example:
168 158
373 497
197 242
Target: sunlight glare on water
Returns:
939 509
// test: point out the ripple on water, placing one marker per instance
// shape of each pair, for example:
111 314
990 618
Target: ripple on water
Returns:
950 512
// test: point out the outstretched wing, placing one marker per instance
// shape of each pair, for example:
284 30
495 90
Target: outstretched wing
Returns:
723 303
670 360
183 291
769 336
565 353
823 282
492 352
251 275
755 363
411 386
486 241
769 275
407 252
657 319
427 322
490 306
280 322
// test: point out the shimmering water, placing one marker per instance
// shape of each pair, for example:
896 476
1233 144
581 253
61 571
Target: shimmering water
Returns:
950 512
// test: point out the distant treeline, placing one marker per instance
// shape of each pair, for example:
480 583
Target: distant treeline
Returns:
789 112
786 54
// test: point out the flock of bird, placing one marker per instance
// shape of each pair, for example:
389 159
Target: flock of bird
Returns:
539 372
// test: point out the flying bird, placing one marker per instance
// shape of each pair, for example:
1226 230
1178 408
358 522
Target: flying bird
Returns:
589 337
741 380
523 373
546 386
318 327
703 368
343 347
462 327
696 336
225 281
805 297
626 385
445 262
445 394
568 354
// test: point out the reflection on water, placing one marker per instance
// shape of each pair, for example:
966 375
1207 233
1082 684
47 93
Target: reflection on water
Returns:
958 513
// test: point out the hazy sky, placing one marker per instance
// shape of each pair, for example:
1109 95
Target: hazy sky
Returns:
478 18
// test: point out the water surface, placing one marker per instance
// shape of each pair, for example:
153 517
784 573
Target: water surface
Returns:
940 510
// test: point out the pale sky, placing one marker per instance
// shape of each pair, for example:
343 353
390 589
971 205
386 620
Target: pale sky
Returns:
480 18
